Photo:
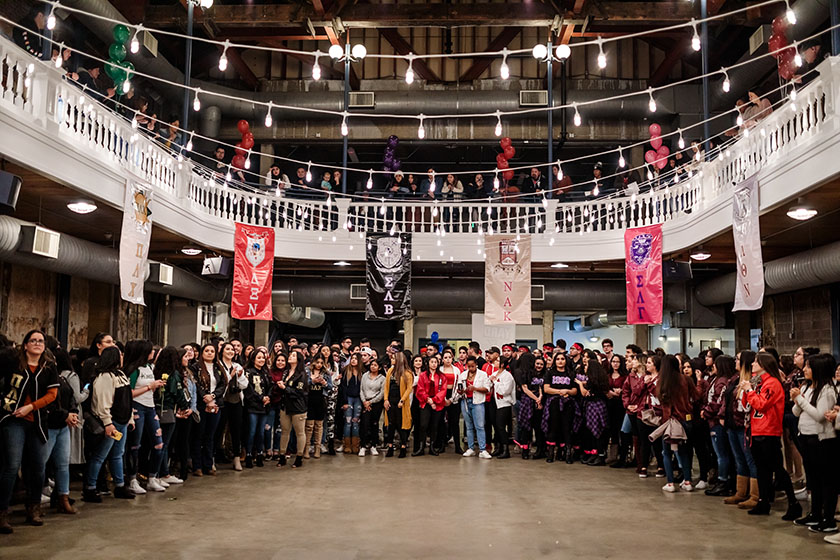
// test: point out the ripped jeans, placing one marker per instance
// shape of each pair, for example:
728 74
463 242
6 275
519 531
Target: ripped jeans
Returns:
351 417
145 417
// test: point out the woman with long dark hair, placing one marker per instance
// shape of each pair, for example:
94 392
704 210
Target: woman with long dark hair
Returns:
295 387
372 393
319 385
352 404
63 417
271 435
187 418
559 389
170 400
210 390
735 422
452 410
675 391
713 411
818 440
619 441
531 377
651 403
233 413
632 395
596 418
397 403
256 399
765 396
332 370
431 396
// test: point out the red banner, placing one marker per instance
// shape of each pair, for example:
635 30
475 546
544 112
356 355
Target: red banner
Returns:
643 266
253 268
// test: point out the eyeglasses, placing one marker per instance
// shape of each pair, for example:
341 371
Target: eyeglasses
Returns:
36 341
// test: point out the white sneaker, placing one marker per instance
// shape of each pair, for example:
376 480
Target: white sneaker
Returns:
686 486
162 483
340 449
469 453
170 479
801 494
484 455
669 487
155 485
373 450
362 452
701 485
135 487
45 499
833 539
324 449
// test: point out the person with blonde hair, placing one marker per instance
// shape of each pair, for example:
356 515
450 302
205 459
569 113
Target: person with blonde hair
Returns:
399 385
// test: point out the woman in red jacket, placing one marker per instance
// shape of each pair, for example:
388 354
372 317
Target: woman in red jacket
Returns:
431 397
632 393
764 393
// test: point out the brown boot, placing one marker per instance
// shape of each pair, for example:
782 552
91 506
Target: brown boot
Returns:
741 493
310 425
356 443
318 432
33 515
5 528
753 501
348 446
64 505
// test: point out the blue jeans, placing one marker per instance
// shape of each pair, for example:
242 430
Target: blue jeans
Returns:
58 450
744 463
145 417
268 429
20 444
683 455
721 446
351 417
254 443
112 450
474 422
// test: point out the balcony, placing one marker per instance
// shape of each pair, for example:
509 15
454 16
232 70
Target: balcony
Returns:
51 126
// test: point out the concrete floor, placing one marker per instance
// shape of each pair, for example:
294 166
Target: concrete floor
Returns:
443 507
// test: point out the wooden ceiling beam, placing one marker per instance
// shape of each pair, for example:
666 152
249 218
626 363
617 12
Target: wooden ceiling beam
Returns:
403 47
241 67
481 64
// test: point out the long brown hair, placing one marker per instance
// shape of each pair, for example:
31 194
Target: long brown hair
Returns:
46 356
670 379
203 374
400 368
354 371
769 364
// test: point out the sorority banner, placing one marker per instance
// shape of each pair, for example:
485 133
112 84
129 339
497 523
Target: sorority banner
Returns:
507 280
643 267
253 268
134 242
749 285
388 277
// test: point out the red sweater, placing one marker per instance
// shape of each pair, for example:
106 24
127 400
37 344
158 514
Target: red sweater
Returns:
433 387
681 401
633 392
768 407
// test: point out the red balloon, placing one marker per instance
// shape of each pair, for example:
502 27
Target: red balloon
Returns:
779 25
500 158
239 150
660 164
238 162
656 142
510 151
243 126
776 43
663 151
650 156
787 69
655 130
504 142
248 141
508 175
502 164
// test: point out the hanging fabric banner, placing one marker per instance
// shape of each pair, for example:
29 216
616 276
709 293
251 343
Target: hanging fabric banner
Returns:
749 285
507 280
134 242
643 269
388 277
253 268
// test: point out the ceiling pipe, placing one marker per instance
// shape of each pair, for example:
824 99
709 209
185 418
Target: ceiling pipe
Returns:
600 320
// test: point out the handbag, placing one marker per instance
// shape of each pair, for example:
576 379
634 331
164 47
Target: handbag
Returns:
167 416
93 423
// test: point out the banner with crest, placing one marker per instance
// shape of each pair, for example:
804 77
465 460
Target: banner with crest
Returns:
507 280
643 266
134 242
749 285
388 277
253 268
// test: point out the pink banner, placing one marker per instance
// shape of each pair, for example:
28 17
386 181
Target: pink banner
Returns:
643 266
253 268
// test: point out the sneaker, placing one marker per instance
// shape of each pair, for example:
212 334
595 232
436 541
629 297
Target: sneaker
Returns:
827 526
469 453
374 451
686 486
162 483
135 487
801 494
324 449
484 455
643 473
701 485
660 473
362 452
154 485
45 499
833 539
340 448
809 520
170 479
669 488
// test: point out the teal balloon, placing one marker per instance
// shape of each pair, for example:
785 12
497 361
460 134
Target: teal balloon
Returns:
117 52
121 33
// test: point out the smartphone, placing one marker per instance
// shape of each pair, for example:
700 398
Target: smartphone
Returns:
117 435
86 387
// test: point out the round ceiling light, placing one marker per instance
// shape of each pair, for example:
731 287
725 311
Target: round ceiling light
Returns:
699 254
83 206
559 265
341 263
801 211
191 251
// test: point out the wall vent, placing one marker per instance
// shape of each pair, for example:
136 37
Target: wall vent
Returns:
161 273
40 241
358 291
362 100
533 98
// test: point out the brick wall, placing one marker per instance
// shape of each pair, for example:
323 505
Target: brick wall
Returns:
795 319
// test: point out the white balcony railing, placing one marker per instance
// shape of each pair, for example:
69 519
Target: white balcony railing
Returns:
36 98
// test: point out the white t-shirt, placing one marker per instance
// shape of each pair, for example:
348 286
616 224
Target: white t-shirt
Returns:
212 377
145 376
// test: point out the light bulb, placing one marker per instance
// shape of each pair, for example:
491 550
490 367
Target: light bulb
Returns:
196 101
793 92
563 51
59 60
496 181
223 59
316 68
652 102
248 162
190 142
369 184
602 58
797 59
135 44
621 161
409 76
51 19
727 85
134 123
336 52
559 171
126 87
539 51
649 175
596 190
791 17
359 51
421 130
309 172
577 119
739 120
681 141
344 129
498 130
695 40
504 71
268 119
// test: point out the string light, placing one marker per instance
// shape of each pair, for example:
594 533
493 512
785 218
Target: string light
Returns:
652 102
359 51
602 58
336 52
51 18
577 119
248 160
126 87
382 207
268 115
409 74
563 51
421 130
369 184
135 42
498 129
309 172
797 58
739 120
344 130
504 71
681 141
621 161
316 68
539 51
496 180
791 17
727 85
59 60
223 59
559 171
695 40
190 141
196 101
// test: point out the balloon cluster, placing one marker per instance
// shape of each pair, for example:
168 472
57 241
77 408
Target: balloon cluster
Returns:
389 160
118 68
777 43
658 156
508 151
244 145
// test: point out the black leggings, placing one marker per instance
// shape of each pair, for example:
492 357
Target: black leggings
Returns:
233 413
504 417
489 419
370 424
451 427
429 421
820 461
767 452
560 423
183 427
395 420
615 411
700 442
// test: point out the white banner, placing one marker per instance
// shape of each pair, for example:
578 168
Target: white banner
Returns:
134 242
491 335
507 280
749 285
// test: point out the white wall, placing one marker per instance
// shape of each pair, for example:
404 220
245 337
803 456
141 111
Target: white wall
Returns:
621 336
726 338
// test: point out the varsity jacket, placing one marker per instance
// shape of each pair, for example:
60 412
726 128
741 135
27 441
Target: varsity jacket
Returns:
20 383
714 406
633 392
767 400
433 387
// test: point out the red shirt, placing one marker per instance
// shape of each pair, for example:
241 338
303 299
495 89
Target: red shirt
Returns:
489 369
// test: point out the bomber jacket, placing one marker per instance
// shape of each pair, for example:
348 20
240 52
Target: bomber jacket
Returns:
433 387
174 395
633 393
62 406
767 400
714 406
202 389
295 395
259 386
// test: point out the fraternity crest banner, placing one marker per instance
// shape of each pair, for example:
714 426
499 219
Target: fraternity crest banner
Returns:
388 277
643 269
134 242
749 284
253 268
507 280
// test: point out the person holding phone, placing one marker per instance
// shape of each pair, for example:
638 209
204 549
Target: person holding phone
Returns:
473 385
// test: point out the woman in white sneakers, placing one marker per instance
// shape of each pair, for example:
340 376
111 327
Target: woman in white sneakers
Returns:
473 386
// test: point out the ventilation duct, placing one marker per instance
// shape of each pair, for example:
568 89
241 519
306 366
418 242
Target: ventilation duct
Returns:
600 321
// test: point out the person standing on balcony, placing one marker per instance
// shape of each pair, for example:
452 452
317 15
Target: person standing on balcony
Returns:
535 183
31 38
430 187
559 186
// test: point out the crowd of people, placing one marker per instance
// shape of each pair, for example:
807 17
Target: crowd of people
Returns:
145 417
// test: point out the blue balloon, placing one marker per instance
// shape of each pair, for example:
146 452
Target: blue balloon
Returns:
435 336
440 346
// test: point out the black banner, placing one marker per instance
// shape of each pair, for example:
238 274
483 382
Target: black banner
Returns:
388 277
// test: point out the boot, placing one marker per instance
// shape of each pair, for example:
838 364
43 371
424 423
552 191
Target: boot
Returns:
540 452
753 500
310 426
761 508
570 455
612 453
390 452
331 447
598 461
742 492
355 443
64 505
5 528
281 460
298 462
260 460
237 464
505 454
526 453
90 495
33 515
123 493
794 511
318 432
549 456
249 461
402 453
348 445
497 451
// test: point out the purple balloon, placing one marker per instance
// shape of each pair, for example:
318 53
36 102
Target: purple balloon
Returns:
396 165
389 162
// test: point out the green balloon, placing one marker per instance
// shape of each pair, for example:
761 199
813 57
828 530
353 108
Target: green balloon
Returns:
121 33
119 75
128 67
117 52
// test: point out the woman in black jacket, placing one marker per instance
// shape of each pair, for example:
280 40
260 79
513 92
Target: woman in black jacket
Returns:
210 389
170 401
256 399
295 387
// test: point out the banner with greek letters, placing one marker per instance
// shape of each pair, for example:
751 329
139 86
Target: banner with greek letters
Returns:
507 280
253 269
134 241
643 273
749 283
388 277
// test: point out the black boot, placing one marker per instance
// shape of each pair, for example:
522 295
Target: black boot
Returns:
719 489
249 462
794 511
331 447
281 460
526 453
91 496
540 454
549 458
497 450
597 461
260 461
432 451
390 452
123 493
505 454
762 508
402 453
570 455
298 462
